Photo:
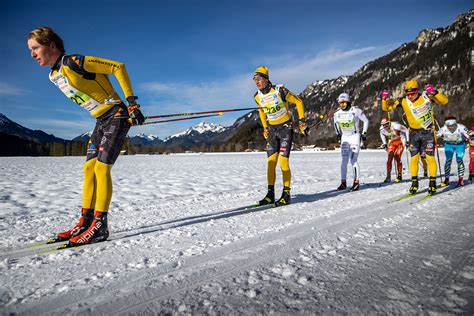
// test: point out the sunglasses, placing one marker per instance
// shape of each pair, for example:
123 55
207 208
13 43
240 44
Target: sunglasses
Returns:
257 78
343 103
411 92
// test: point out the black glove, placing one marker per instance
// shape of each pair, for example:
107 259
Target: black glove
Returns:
384 146
136 116
338 138
364 136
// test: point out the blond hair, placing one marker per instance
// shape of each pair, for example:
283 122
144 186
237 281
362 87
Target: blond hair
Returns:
45 36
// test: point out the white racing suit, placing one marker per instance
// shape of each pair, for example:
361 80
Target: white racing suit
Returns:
346 123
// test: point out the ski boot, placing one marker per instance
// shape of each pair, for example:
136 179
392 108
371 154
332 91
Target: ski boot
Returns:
84 222
343 185
399 178
445 183
460 182
471 176
414 185
432 186
355 186
285 197
388 179
97 231
269 198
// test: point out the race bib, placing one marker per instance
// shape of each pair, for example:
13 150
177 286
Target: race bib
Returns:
455 137
423 113
77 96
273 105
346 121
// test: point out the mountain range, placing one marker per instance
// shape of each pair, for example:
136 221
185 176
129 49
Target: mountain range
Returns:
443 57
8 127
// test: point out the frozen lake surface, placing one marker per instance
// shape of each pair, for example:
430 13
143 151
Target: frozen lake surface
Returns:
184 240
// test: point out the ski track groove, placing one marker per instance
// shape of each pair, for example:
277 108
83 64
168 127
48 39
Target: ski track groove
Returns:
38 249
268 247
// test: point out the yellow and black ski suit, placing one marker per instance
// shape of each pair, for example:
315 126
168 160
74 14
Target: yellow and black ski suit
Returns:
275 115
84 80
419 116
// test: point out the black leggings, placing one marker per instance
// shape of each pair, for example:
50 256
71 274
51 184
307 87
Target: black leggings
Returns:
108 136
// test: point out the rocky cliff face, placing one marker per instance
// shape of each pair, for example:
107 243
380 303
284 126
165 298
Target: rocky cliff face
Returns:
442 57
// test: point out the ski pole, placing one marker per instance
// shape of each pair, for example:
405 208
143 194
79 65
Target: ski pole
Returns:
408 160
436 143
199 113
323 118
182 119
390 132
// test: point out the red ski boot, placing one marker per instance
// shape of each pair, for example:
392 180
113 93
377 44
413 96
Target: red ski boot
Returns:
84 221
97 231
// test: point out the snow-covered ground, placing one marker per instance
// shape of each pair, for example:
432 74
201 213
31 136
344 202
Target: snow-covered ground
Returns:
184 241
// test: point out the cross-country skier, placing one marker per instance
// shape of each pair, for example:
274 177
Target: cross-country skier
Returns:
272 101
346 123
84 80
418 108
424 164
398 139
455 136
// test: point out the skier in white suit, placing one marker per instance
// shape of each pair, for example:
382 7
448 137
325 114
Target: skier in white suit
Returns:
346 123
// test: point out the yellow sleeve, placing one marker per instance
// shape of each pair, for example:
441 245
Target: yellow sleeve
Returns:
261 113
440 99
106 66
292 98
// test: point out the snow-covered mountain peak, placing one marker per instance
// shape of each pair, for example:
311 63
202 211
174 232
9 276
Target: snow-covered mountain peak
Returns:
88 134
200 128
208 127
150 137
4 120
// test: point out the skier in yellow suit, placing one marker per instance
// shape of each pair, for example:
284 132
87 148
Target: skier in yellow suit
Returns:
418 108
84 80
272 101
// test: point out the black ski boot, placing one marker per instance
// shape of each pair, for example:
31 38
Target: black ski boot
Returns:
432 186
342 186
355 185
399 178
414 185
269 198
285 197
445 183
97 231
388 179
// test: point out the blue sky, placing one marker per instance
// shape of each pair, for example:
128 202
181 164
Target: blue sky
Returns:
199 55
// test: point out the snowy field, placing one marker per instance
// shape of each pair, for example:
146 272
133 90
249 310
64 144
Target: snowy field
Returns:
185 241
